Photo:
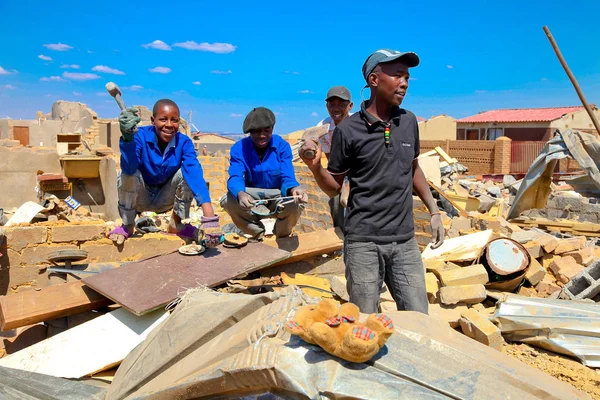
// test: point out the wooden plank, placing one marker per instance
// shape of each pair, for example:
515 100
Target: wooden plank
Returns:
309 244
88 348
147 285
31 307
461 212
431 168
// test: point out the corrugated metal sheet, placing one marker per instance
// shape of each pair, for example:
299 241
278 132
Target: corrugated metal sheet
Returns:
520 115
522 155
563 326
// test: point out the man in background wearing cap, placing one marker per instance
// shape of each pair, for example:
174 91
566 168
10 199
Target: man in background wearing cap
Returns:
377 148
338 103
261 168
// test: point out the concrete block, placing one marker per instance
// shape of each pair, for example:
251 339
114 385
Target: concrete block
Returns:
77 233
449 314
472 275
134 249
585 285
534 249
477 327
18 238
437 266
570 244
468 294
535 272
565 268
433 286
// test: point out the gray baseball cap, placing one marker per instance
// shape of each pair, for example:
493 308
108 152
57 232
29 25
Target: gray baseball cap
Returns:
339 91
387 55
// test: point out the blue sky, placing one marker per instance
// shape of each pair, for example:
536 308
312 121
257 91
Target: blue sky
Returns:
227 57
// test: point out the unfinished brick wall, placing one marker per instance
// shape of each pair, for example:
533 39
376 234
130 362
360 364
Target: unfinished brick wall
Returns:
480 156
25 250
316 215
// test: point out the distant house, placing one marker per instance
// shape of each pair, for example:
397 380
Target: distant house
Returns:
439 127
524 124
213 142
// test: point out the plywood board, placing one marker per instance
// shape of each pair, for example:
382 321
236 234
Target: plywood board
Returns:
431 169
33 306
88 348
147 285
310 244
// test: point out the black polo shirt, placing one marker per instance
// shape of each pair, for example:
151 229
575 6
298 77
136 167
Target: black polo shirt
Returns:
380 206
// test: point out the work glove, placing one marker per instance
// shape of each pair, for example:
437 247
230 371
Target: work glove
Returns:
212 231
146 225
301 196
245 201
128 120
437 231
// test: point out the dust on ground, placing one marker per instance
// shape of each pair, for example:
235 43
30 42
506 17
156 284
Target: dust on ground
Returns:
562 368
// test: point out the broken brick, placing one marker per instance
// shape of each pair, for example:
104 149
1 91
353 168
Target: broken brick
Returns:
449 314
570 244
432 285
565 268
477 327
468 294
535 272
472 275
584 256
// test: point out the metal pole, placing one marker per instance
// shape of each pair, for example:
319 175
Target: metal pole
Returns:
573 80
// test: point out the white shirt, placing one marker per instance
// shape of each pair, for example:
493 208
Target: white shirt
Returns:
325 140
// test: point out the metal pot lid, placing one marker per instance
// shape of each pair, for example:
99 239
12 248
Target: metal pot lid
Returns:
505 256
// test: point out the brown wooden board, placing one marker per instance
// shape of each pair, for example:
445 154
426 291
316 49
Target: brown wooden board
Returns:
309 244
147 285
31 307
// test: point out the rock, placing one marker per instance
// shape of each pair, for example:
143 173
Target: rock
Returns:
508 180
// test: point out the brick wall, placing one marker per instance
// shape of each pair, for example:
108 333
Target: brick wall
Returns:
25 250
480 156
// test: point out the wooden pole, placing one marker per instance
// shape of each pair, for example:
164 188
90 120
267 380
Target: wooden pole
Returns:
572 78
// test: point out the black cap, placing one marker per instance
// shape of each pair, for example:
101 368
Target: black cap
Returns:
339 91
387 55
259 118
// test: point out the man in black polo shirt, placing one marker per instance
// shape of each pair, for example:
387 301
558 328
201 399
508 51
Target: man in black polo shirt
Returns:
377 148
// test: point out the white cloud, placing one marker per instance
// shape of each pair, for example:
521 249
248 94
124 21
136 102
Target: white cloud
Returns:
101 94
449 66
220 72
180 92
306 91
72 66
158 45
9 87
58 46
233 115
544 79
51 78
45 58
481 91
133 87
76 93
107 70
196 83
90 52
219 48
160 70
5 72
292 72
314 114
48 95
77 76
413 79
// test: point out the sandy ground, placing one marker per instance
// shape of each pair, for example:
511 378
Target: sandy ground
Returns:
563 368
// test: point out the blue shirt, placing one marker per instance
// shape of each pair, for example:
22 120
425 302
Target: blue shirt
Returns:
157 168
275 171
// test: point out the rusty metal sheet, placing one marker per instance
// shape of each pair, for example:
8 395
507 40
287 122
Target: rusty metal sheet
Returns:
147 285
